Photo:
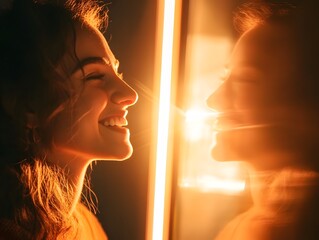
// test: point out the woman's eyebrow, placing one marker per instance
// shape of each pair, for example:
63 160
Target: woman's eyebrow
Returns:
90 60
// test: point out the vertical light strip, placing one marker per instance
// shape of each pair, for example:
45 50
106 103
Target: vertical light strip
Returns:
163 119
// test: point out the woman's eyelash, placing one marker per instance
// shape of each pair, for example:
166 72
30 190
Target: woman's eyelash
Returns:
94 77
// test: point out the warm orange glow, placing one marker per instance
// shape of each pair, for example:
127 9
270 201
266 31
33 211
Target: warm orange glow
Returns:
195 120
202 181
225 179
214 177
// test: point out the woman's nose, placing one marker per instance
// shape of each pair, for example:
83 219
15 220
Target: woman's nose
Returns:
221 99
124 94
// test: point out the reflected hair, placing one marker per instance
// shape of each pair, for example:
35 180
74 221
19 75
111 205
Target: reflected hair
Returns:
254 13
300 17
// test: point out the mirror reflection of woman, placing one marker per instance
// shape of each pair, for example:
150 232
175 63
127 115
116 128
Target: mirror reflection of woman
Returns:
269 118
63 105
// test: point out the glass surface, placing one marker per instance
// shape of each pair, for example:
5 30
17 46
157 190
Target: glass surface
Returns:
207 193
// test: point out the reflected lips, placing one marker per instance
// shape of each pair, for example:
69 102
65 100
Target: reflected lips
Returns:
226 122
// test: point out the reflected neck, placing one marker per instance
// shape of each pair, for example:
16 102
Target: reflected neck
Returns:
260 182
285 192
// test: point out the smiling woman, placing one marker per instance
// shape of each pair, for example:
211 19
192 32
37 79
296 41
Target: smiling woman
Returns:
94 126
63 104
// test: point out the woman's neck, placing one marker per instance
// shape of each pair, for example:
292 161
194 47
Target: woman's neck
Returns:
74 169
76 178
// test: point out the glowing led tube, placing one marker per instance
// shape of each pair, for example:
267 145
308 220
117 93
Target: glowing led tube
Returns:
163 119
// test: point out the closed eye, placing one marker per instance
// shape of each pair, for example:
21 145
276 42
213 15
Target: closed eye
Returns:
94 77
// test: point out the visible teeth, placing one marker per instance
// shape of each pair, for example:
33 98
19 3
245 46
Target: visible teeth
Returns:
112 122
116 121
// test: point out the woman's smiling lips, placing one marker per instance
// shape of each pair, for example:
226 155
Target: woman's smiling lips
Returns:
115 122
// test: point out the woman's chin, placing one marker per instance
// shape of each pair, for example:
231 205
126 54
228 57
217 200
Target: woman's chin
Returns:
119 154
126 152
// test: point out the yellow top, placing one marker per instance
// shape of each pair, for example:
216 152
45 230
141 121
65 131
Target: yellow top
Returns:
89 226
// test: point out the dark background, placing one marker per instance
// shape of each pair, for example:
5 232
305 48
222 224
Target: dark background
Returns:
121 187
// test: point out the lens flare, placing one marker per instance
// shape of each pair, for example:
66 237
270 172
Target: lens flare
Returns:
195 123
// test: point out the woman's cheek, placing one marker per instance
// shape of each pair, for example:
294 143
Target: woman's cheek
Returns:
92 100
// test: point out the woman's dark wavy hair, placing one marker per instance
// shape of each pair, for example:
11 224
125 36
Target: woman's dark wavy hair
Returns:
34 38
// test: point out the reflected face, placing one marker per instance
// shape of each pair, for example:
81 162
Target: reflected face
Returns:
258 113
94 125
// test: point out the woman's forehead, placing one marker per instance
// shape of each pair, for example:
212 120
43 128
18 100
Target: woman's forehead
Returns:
90 42
262 44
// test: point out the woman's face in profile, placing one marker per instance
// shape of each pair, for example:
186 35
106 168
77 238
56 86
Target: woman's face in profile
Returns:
256 102
95 125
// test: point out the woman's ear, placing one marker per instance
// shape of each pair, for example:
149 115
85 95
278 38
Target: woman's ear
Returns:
32 129
31 120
